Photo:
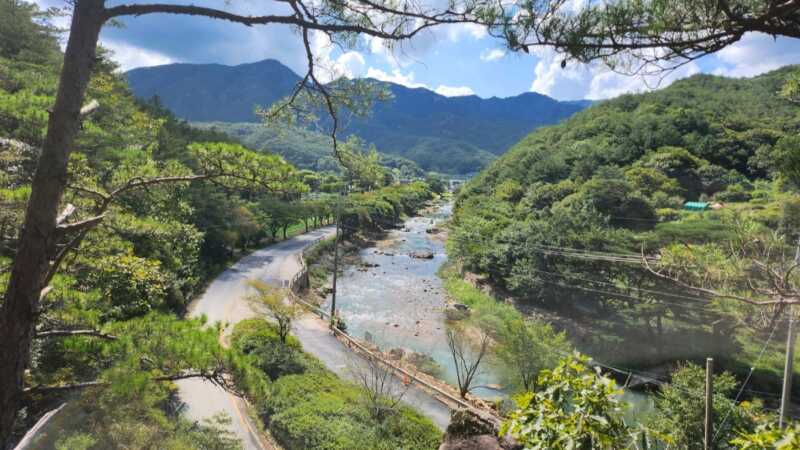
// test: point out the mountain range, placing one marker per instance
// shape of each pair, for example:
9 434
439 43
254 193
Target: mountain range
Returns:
444 134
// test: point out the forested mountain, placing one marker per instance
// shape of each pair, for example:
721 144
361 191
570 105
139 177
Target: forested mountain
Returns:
304 148
208 92
560 222
152 210
445 134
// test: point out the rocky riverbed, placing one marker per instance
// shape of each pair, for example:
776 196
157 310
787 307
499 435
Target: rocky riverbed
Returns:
394 298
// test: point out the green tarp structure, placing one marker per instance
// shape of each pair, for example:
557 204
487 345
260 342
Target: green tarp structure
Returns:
695 206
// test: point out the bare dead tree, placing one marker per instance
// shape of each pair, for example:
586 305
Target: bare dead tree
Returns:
381 390
467 361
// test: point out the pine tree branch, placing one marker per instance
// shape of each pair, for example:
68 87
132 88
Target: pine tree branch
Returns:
215 376
88 332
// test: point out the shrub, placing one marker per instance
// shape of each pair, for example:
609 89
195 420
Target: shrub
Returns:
279 359
308 407
251 334
734 193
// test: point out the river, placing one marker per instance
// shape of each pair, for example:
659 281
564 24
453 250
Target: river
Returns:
398 301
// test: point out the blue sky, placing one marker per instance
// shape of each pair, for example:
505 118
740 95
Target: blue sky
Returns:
454 60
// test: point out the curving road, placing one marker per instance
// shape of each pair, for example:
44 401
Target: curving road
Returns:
223 301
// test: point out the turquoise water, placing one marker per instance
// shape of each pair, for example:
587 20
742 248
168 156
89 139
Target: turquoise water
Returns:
400 302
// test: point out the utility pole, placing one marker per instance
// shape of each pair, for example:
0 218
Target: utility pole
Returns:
336 258
788 370
709 421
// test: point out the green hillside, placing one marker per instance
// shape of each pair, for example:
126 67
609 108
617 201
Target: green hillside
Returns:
561 220
306 149
456 135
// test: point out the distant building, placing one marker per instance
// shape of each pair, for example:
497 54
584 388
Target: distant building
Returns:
453 183
696 206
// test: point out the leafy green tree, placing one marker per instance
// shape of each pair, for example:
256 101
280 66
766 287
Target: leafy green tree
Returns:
276 305
361 165
681 410
649 181
528 347
610 194
573 407
769 436
679 164
26 33
436 183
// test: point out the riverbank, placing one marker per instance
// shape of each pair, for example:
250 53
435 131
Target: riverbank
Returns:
390 295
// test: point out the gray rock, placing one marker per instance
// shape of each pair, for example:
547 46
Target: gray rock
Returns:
456 311
421 254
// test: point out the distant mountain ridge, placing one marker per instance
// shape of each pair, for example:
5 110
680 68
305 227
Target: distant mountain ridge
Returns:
446 134
214 92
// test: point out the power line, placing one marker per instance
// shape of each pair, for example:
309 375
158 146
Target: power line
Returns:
746 380
666 294
617 294
610 257
582 250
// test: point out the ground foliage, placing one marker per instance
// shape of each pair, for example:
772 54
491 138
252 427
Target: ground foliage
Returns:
611 181
307 407
130 278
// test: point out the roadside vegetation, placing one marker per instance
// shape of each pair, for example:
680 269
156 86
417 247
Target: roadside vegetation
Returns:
176 205
305 406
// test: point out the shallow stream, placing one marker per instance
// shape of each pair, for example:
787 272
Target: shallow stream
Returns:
398 301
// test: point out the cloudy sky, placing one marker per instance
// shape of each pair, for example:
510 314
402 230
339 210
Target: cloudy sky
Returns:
455 60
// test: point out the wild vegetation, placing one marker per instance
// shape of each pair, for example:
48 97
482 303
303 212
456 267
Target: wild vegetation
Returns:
308 407
177 204
583 223
113 213
560 220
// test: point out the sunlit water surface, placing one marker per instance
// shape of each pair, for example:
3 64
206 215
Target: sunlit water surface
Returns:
400 302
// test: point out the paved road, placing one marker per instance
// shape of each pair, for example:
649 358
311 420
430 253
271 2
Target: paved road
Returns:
223 301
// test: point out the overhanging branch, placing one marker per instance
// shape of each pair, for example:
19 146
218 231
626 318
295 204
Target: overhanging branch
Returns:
215 376
61 333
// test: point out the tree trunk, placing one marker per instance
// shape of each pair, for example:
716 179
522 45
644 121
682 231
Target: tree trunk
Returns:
31 263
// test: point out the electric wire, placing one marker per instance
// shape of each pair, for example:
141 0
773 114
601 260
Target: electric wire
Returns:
650 291
746 380
619 294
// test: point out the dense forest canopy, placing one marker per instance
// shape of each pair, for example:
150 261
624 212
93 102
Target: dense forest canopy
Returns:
165 206
560 220
304 148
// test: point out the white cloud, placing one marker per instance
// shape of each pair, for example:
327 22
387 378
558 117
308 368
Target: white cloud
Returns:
755 54
492 55
407 80
129 57
457 32
550 79
351 64
454 91
594 81
396 77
